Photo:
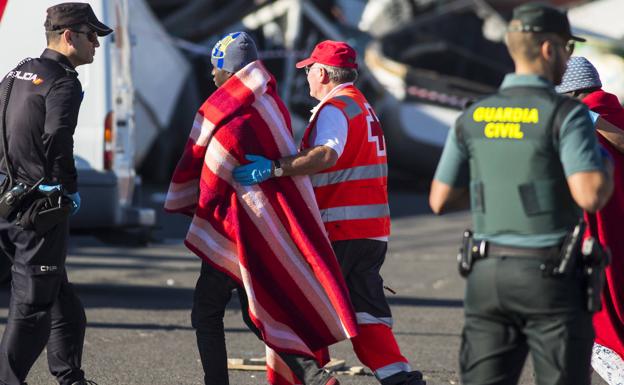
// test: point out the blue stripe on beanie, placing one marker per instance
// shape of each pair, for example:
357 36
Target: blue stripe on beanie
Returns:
234 51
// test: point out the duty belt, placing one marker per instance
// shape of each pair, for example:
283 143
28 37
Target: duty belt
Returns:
494 250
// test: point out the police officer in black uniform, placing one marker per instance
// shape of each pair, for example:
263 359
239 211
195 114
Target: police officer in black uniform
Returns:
41 117
526 159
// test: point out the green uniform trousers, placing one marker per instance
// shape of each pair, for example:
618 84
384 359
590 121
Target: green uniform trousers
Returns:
512 309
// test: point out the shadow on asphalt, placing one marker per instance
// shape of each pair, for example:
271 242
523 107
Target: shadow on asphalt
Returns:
124 266
155 327
424 302
453 335
135 297
178 298
125 253
143 326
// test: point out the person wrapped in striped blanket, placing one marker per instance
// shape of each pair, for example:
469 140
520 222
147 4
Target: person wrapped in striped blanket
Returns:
268 241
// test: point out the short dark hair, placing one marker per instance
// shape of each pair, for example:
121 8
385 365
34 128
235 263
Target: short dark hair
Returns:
53 36
527 44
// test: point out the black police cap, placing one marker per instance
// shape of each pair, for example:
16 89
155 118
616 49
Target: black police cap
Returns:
537 17
65 15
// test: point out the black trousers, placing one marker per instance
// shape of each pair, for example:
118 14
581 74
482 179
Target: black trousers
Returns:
512 309
360 262
212 293
43 309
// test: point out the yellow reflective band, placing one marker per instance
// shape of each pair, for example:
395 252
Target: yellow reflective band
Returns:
503 130
506 115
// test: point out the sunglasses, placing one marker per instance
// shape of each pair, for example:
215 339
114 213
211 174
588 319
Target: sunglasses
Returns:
91 35
568 46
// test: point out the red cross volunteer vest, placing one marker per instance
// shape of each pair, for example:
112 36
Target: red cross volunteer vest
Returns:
352 195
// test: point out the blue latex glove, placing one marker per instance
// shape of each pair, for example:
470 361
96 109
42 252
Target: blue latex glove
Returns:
255 172
593 116
45 188
75 198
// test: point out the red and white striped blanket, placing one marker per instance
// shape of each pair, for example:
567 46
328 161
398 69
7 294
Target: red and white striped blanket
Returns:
268 237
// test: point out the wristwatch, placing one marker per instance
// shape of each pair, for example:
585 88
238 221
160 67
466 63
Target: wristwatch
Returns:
277 168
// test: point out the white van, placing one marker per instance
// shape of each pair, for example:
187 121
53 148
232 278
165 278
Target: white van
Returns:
104 142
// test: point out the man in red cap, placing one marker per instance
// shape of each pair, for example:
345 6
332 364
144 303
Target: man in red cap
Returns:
344 152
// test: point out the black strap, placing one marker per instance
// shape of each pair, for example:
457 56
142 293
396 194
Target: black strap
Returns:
564 106
495 250
5 104
459 131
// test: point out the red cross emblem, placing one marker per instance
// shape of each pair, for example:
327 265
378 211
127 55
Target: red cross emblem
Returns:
375 133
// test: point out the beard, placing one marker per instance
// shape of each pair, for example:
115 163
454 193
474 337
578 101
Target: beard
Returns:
560 63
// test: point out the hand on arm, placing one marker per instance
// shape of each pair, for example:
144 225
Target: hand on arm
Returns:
259 170
329 138
309 161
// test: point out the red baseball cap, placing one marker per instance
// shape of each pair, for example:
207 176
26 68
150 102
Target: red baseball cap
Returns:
331 53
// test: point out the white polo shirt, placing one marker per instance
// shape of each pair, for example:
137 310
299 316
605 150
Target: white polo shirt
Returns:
331 127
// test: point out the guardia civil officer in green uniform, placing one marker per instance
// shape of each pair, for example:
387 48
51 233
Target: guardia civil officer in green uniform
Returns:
526 160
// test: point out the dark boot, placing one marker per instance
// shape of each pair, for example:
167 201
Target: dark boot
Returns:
415 378
405 378
307 370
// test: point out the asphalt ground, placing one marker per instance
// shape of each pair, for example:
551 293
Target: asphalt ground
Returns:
138 301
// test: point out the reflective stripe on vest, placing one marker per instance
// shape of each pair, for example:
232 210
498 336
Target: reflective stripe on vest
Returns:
355 212
350 174
351 108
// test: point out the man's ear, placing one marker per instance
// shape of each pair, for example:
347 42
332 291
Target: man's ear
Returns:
66 37
325 75
547 49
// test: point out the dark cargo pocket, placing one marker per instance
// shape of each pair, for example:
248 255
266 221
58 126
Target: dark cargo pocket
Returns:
43 284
